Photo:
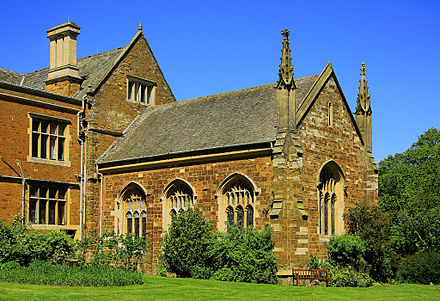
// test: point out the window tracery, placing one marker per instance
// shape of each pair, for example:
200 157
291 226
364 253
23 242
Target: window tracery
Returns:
237 202
178 196
330 200
135 209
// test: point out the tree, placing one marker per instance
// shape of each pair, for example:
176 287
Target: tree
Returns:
409 192
372 225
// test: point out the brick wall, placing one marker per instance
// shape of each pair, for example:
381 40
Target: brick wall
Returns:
15 133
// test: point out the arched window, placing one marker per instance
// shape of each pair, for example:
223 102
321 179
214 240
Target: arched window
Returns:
129 222
332 213
234 194
249 216
177 196
135 210
330 200
326 213
144 222
330 114
230 214
240 216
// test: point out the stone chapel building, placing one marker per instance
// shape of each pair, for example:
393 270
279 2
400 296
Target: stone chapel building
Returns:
288 154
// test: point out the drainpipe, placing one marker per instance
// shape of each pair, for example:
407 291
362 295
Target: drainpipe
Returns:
23 192
100 175
81 134
81 142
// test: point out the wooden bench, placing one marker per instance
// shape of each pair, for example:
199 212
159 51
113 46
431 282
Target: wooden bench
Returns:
306 274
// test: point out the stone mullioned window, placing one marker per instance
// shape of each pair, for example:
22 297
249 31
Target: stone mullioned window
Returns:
140 90
330 200
49 140
135 212
47 204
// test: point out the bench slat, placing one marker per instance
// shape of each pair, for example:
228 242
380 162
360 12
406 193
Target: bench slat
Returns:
306 274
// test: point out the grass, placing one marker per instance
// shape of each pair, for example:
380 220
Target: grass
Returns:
158 288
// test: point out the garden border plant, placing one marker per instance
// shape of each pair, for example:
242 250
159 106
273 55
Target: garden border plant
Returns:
28 256
191 248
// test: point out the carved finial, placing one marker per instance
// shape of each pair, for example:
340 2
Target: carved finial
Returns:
363 69
140 26
285 72
363 98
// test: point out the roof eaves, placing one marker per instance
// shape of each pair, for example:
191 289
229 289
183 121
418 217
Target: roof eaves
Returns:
182 153
39 92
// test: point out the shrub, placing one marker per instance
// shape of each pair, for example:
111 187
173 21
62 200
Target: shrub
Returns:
19 244
315 263
342 275
192 249
124 251
421 268
347 276
245 255
187 243
346 250
44 272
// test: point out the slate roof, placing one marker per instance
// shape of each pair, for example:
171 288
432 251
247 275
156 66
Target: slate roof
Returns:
91 69
10 77
230 119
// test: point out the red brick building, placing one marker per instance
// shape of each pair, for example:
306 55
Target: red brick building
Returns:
108 90
40 156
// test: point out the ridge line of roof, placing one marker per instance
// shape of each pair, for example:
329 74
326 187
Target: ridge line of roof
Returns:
221 94
10 71
245 89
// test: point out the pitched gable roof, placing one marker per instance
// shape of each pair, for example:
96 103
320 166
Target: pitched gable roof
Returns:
126 49
11 77
93 69
314 91
230 119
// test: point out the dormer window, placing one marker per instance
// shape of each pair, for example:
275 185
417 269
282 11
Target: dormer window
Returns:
140 90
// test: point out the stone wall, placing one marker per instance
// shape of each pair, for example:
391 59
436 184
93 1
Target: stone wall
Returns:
321 143
112 112
205 178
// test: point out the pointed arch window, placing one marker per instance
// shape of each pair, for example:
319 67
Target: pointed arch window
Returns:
134 206
236 202
326 213
330 200
249 216
330 114
129 222
332 214
178 196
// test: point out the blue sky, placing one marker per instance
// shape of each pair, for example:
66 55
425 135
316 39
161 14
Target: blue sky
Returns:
209 47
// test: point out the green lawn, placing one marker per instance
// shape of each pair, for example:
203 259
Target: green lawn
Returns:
158 288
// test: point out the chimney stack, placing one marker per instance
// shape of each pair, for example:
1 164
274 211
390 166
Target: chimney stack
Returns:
63 77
